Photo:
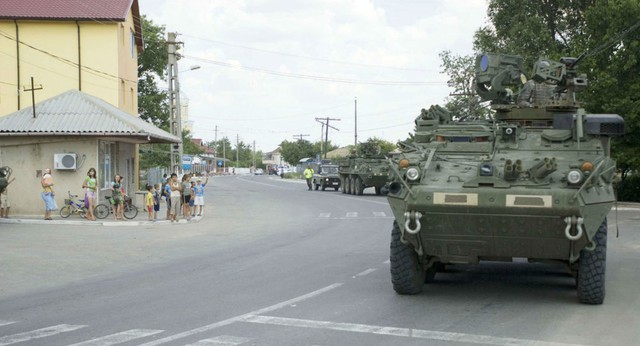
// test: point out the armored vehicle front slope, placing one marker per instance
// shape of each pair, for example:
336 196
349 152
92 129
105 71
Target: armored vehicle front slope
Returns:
535 182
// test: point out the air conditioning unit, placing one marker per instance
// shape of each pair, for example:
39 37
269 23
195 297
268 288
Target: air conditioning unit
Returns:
64 161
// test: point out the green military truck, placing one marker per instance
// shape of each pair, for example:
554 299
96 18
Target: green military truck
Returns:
360 172
325 176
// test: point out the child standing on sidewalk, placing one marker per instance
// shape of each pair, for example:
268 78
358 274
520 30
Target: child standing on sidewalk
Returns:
156 202
148 201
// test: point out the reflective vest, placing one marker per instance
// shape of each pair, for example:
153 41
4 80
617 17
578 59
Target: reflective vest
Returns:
308 173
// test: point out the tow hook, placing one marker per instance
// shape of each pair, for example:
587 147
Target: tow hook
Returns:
570 221
415 217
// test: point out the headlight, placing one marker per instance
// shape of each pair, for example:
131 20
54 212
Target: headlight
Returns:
574 176
413 173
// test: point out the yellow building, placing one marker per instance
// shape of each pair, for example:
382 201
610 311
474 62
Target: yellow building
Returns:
88 45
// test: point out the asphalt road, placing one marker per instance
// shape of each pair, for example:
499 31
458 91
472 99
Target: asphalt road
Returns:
275 264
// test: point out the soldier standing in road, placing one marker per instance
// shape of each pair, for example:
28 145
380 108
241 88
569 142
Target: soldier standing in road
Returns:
308 174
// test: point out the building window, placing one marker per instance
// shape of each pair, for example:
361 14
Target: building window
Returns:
133 44
106 157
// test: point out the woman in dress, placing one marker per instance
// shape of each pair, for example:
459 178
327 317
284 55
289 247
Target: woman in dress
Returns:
90 185
47 193
117 197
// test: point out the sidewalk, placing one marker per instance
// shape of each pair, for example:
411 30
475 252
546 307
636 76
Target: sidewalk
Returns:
140 219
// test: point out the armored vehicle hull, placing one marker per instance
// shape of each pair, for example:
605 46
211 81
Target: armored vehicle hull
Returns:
536 183
359 173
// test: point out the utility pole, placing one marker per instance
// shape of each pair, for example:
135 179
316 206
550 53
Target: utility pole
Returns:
254 156
326 136
299 137
237 151
224 155
33 96
355 113
175 117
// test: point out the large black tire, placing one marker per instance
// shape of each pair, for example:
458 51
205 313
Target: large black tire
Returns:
352 183
407 275
324 187
336 188
65 211
345 185
343 182
592 268
316 185
359 186
101 211
378 189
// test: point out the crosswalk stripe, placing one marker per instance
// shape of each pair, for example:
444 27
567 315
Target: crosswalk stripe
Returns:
222 340
118 338
6 323
379 214
38 333
352 214
324 215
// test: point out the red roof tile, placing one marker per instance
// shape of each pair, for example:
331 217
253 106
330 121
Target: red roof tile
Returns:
66 9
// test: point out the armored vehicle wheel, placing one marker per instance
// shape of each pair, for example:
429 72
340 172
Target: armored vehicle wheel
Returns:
343 183
359 186
378 190
591 269
407 275
352 183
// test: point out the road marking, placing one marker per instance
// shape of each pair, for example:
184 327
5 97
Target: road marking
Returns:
352 214
379 214
402 332
222 340
37 334
119 337
241 317
366 272
6 323
324 215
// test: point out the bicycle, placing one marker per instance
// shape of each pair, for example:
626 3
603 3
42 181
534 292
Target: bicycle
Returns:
73 207
102 210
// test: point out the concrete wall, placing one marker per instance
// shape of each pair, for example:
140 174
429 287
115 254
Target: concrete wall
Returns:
28 156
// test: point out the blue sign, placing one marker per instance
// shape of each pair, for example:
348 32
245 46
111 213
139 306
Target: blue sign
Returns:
219 163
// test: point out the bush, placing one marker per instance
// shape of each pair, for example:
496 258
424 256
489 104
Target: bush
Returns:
628 189
291 175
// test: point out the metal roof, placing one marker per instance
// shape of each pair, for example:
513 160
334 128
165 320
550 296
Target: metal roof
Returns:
80 114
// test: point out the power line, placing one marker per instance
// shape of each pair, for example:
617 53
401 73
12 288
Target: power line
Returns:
312 77
309 57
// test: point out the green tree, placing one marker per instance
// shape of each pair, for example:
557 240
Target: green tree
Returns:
293 152
318 148
188 147
153 104
463 102
375 145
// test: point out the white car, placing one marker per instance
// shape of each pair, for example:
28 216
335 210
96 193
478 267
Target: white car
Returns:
259 171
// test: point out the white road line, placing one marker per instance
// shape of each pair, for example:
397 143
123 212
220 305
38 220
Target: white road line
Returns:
324 215
119 337
241 317
352 214
368 271
6 323
222 340
37 334
379 214
403 332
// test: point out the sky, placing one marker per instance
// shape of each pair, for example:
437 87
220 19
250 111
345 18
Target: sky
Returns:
269 68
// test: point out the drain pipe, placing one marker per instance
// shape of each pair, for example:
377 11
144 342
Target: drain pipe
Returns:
15 21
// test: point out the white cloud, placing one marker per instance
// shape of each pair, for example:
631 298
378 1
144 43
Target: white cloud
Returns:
269 109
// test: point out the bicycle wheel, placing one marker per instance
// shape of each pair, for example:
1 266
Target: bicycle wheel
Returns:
101 211
130 211
83 212
65 211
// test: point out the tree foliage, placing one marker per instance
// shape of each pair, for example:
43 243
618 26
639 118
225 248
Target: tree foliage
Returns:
153 104
607 30
463 102
293 152
375 145
224 149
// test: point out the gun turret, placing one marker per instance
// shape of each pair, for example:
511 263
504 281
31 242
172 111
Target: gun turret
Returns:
495 74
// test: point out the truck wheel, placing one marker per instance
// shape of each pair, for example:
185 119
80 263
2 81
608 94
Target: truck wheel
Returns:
377 188
316 185
336 188
323 187
407 275
359 186
591 269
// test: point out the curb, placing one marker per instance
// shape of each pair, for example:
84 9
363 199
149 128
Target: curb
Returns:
29 221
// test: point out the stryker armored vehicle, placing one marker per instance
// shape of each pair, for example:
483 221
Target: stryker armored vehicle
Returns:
370 169
535 182
326 176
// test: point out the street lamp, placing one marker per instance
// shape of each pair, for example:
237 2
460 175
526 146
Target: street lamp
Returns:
193 67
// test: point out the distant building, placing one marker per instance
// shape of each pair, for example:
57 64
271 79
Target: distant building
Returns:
273 160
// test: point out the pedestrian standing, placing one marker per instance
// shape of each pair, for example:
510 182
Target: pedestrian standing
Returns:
117 197
48 195
156 202
186 196
167 197
148 201
5 173
308 174
192 210
176 187
199 196
90 185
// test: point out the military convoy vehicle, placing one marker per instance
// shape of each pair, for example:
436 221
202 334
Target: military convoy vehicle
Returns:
360 172
325 175
534 182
